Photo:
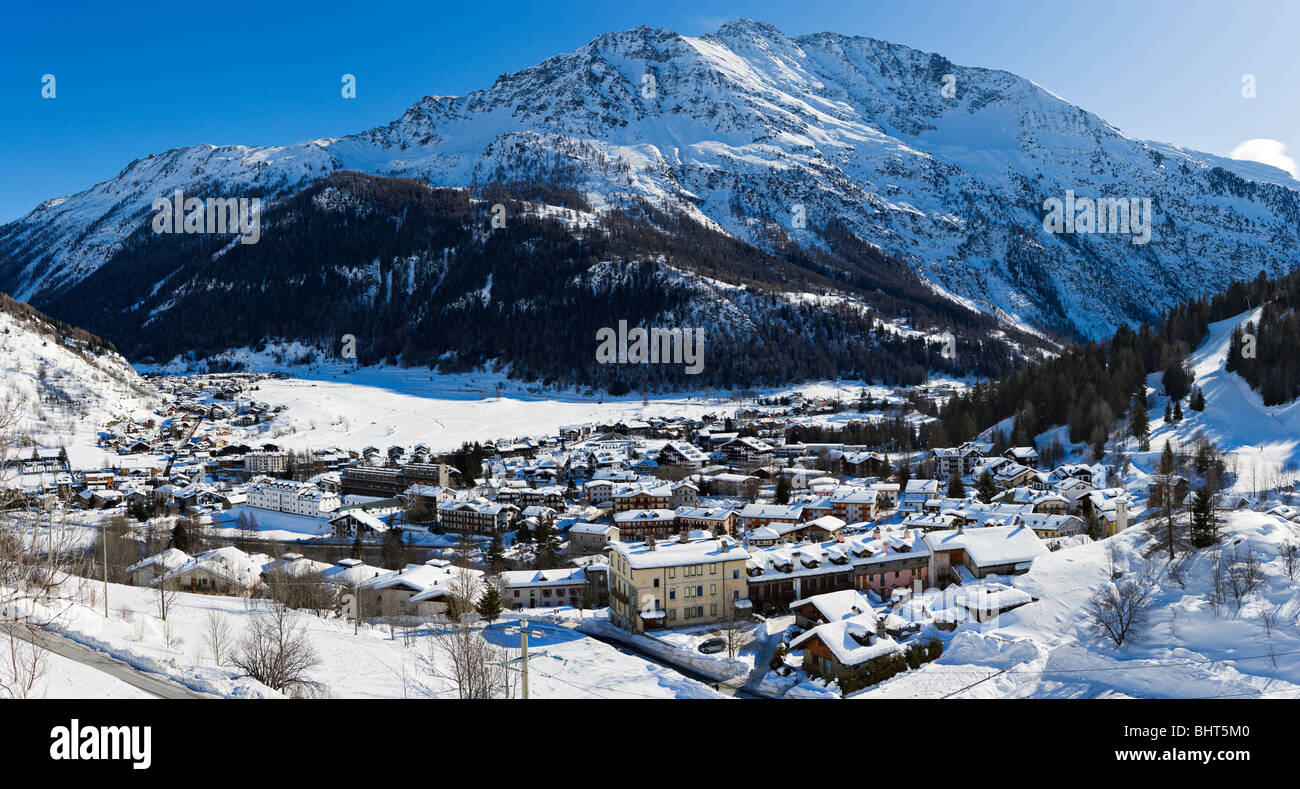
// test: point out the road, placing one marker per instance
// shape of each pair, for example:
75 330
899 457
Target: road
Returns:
67 648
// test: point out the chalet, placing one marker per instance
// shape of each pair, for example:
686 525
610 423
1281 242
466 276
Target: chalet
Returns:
754 515
146 571
422 590
827 527
681 454
295 566
959 460
1078 471
1012 475
431 494
742 486
639 498
854 643
718 520
589 538
224 571
639 525
1166 487
357 523
917 493
1048 526
887 494
1027 456
747 452
540 514
855 505
545 588
858 464
986 600
477 516
961 554
829 607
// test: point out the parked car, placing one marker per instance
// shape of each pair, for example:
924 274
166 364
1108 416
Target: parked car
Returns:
712 645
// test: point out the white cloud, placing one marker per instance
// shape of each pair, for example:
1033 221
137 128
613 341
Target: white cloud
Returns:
1266 151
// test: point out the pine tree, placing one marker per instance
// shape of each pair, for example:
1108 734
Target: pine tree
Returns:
903 475
489 605
782 489
956 489
1169 414
1197 400
181 538
984 487
1139 427
1167 459
548 546
1205 527
496 559
1178 410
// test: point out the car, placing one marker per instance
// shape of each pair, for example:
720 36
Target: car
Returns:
712 645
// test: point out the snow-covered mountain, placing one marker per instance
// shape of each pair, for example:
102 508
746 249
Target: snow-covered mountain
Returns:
59 385
748 130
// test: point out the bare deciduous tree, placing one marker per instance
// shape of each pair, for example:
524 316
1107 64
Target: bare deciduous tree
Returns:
1291 559
474 665
736 631
167 592
276 651
41 562
217 636
1244 576
1119 610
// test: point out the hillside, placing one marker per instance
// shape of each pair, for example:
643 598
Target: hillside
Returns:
416 273
65 384
1045 650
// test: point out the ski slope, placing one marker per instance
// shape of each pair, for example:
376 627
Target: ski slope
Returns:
1263 442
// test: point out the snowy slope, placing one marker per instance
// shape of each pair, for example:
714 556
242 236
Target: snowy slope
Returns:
368 664
1262 443
65 391
1045 649
743 126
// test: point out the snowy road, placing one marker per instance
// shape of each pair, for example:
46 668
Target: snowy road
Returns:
67 648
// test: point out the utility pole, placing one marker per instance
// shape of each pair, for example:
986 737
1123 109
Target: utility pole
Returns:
103 530
523 656
356 609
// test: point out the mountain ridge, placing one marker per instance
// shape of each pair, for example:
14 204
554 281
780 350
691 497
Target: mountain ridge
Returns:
744 126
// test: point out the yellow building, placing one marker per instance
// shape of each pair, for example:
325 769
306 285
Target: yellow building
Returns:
655 585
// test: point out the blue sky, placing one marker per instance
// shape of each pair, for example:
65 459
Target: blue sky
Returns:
160 75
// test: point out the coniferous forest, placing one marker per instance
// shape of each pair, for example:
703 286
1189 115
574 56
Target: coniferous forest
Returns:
1090 386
